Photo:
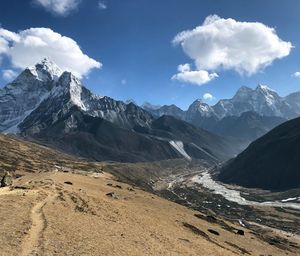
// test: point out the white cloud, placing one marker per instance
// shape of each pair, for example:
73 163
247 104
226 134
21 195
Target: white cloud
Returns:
197 77
184 67
296 74
207 96
102 5
29 46
8 74
58 7
246 47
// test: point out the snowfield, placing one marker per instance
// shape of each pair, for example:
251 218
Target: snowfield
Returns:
178 145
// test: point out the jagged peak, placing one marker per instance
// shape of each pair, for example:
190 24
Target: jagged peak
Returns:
244 89
67 77
198 102
264 88
148 105
45 70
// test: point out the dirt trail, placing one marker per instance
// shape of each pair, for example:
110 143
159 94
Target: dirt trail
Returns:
31 244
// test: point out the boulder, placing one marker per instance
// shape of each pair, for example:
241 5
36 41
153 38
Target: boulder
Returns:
241 232
6 180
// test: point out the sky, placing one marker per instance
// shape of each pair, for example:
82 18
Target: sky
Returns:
163 52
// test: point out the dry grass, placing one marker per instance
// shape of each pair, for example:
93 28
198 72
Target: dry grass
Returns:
58 208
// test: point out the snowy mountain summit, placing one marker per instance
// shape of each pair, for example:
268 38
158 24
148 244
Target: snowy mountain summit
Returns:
43 92
262 100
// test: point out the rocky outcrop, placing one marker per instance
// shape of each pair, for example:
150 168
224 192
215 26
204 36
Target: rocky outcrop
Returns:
6 180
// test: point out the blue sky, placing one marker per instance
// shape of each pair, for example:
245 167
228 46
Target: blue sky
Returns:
133 41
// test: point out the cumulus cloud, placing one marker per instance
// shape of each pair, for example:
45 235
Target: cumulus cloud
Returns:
29 46
58 7
246 47
8 74
296 74
198 77
208 97
102 5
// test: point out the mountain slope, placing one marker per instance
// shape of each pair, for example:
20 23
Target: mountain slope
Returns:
169 110
271 162
69 92
197 142
95 138
72 118
248 126
43 90
25 93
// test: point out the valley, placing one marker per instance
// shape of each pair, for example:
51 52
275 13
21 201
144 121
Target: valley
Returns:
61 207
88 168
149 128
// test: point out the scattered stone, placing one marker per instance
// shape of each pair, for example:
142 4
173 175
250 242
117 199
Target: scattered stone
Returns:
241 232
213 232
109 184
6 180
242 250
130 189
208 218
195 230
68 182
118 186
184 240
21 187
112 195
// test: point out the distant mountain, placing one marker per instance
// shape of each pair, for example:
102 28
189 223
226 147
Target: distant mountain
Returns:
248 115
64 114
148 106
94 138
169 110
262 100
293 100
248 126
271 162
197 140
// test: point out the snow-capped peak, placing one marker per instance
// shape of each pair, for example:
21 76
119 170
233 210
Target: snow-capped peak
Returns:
45 70
263 88
70 83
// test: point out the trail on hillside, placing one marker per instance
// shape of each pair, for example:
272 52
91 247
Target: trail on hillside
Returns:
32 241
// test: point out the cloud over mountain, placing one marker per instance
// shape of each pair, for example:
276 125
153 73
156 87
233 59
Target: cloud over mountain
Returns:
29 46
198 77
246 47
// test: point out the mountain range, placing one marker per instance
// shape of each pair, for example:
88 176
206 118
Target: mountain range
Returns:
266 109
262 100
52 107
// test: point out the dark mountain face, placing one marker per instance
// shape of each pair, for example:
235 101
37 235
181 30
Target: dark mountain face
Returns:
97 139
67 115
207 144
249 126
167 138
271 162
169 110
